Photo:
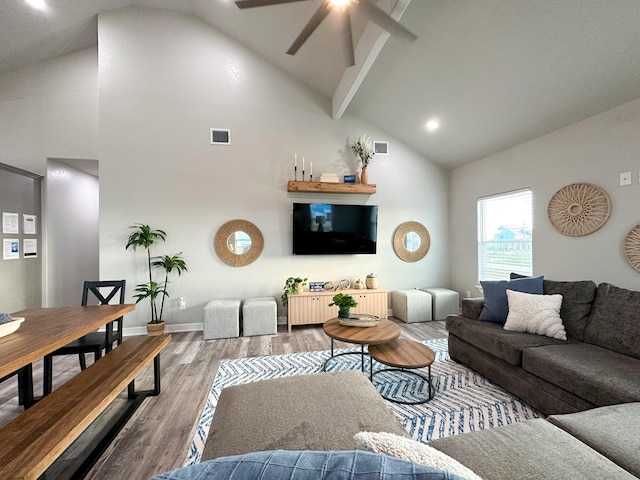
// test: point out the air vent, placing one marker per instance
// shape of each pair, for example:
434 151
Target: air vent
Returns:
381 147
220 136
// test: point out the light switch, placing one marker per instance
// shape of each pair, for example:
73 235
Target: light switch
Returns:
625 178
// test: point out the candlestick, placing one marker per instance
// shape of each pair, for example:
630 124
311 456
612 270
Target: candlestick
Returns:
303 164
295 160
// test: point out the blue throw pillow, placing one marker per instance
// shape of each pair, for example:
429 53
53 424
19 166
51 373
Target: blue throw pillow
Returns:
496 306
308 465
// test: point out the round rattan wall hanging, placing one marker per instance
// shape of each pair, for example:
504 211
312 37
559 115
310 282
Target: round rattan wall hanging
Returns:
579 209
632 247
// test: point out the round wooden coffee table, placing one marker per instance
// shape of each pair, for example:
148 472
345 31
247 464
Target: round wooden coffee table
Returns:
384 332
404 356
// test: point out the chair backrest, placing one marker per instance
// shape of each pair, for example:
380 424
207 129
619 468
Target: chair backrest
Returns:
116 286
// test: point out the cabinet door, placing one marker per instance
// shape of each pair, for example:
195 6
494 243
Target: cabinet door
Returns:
373 303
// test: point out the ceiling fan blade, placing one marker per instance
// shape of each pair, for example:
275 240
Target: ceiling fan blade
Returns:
347 38
262 3
383 19
310 27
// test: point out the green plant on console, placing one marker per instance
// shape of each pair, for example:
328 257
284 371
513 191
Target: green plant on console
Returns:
292 286
145 237
344 303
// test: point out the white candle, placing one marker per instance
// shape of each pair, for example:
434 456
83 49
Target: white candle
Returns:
310 168
295 160
303 164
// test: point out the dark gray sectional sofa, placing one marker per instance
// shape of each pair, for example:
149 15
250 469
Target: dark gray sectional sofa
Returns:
598 364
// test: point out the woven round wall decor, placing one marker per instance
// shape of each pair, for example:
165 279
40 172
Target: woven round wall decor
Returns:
579 209
632 247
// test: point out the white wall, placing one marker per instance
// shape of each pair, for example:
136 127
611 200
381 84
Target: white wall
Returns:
72 244
164 80
595 151
50 110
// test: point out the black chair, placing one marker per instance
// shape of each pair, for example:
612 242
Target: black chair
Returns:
94 342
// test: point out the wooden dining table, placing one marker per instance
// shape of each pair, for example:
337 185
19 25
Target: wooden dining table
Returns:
44 330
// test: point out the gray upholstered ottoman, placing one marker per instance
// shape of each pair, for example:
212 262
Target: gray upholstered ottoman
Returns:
222 318
444 302
259 316
321 411
411 305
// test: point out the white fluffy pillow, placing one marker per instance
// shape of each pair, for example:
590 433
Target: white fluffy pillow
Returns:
411 450
539 314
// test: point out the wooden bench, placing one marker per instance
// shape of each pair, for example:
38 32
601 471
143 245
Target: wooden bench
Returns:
34 440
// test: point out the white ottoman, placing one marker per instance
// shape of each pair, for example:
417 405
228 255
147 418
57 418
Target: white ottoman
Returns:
222 318
259 316
411 305
445 302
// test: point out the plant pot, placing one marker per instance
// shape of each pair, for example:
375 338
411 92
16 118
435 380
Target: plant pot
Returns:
298 287
345 314
155 329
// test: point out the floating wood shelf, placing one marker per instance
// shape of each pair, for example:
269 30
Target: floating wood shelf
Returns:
323 187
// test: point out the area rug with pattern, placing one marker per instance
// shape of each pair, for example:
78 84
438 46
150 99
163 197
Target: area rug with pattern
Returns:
464 400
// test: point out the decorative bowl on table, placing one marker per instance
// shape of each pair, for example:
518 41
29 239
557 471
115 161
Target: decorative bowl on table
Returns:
9 326
360 320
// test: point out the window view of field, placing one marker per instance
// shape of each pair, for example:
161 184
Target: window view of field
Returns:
505 235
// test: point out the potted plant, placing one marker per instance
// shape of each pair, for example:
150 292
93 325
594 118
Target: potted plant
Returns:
345 303
145 237
363 147
292 286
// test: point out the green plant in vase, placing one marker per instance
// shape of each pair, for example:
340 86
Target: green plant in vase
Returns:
292 286
345 303
145 237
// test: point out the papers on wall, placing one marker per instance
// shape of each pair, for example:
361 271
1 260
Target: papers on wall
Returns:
10 223
11 249
29 224
30 248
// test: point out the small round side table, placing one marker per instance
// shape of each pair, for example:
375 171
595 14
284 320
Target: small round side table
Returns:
404 356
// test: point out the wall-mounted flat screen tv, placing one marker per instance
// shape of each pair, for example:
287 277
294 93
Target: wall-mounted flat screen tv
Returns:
326 229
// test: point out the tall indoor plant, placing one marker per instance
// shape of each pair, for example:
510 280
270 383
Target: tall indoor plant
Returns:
363 147
144 236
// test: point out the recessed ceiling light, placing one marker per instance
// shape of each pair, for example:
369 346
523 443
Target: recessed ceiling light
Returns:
340 3
432 125
37 4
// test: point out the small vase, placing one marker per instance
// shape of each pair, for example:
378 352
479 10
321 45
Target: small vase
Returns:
364 176
342 314
298 287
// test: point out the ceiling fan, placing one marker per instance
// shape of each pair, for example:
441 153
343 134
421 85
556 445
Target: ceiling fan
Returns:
368 8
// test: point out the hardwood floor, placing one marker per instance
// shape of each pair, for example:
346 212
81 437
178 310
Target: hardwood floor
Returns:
158 435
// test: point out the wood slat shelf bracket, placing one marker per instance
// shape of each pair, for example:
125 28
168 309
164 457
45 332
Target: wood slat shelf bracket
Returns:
324 187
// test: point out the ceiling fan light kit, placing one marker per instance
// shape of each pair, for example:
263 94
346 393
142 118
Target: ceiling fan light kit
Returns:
367 8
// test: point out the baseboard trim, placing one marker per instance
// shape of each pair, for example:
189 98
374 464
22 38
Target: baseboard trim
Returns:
179 327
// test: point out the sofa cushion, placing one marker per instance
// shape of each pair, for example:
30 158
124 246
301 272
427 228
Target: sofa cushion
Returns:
492 338
321 411
615 320
411 450
534 449
596 374
614 431
305 465
538 314
577 301
496 306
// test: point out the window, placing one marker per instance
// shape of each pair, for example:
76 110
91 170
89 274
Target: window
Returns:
504 235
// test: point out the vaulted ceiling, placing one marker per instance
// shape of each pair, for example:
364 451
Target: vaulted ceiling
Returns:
496 73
